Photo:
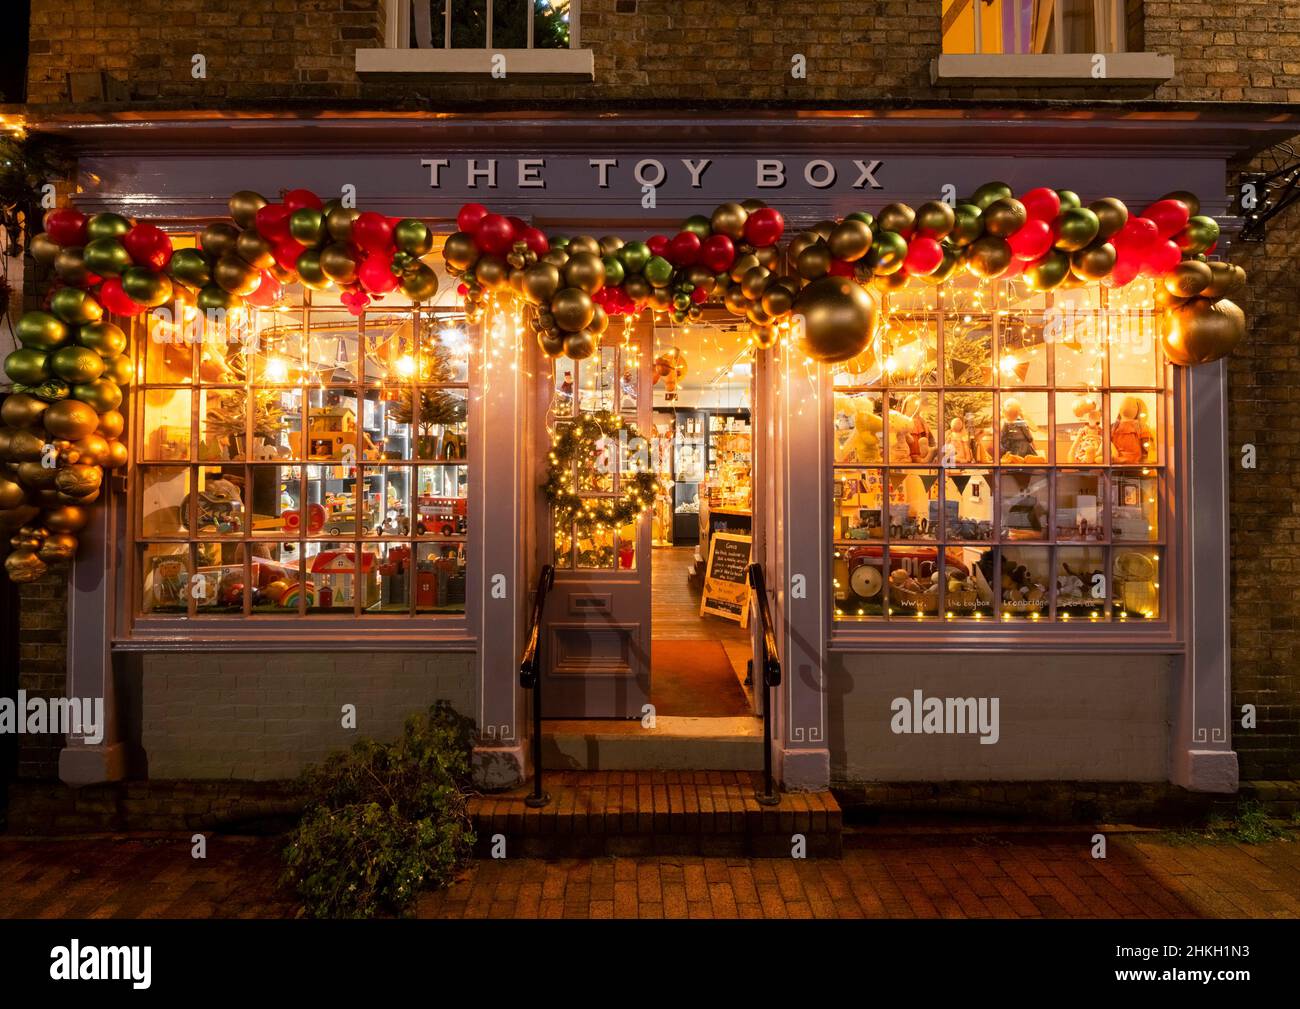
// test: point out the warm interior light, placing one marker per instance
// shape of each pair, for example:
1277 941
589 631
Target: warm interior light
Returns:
277 370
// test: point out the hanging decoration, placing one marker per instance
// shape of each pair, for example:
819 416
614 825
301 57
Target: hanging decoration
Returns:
586 442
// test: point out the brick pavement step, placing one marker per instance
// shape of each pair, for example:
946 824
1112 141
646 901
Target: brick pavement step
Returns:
594 813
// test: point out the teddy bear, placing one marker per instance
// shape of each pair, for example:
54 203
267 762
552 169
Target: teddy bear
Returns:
1017 437
860 443
957 444
1130 435
1086 444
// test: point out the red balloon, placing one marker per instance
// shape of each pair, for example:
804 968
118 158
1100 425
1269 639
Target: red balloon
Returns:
718 253
1125 272
469 216
302 199
684 249
1139 233
116 300
658 245
268 291
1014 268
375 274
495 235
356 301
372 232
148 245
1170 216
923 256
66 226
1161 258
286 254
1042 204
841 268
1033 239
272 222
699 295
535 239
764 227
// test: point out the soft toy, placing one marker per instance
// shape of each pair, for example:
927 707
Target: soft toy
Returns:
1086 445
862 445
1017 440
957 444
1130 435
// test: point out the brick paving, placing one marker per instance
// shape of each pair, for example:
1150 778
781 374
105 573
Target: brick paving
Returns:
997 875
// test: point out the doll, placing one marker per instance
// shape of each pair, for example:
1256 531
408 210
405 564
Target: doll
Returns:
1086 445
957 445
921 442
1017 441
1130 435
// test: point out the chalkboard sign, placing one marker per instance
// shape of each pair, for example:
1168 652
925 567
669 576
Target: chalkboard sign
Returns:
726 582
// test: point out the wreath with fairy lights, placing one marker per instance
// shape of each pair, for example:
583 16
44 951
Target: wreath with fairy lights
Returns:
576 447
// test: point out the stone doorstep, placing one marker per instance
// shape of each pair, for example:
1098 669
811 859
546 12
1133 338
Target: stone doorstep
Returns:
655 812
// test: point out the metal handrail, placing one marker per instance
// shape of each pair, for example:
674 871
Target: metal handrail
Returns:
530 678
770 666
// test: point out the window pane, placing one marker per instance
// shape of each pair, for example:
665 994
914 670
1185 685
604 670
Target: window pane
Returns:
1134 506
219 506
440 578
1023 434
911 426
165 570
968 419
394 565
913 582
858 581
550 23
596 548
1080 440
1133 429
1079 507
1024 505
1080 583
913 504
911 351
386 507
167 425
1022 351
1026 581
164 500
968 350
338 579
858 427
468 23
1135 578
968 505
968 578
442 505
859 504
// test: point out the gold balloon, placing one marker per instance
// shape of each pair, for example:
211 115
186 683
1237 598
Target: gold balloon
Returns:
1112 214
66 519
541 281
1188 279
742 265
754 282
551 342
460 250
839 319
111 423
584 244
44 249
585 271
22 410
491 272
70 419
729 219
1005 217
1224 279
254 250
218 239
813 262
573 309
78 481
25 446
735 301
777 301
71 267
58 548
117 455
339 221
1094 262
235 276
1200 331
850 240
337 263
93 450
12 518
12 494
580 346
897 217
988 257
799 243
599 321
244 206
762 337
35 475
756 315
24 566
556 257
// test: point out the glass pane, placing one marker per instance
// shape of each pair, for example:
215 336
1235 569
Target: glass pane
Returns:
598 381
468 23
273 504
1135 580
279 356
330 353
596 548
167 425
1134 506
968 350
968 420
858 427
1026 581
1079 507
564 547
440 578
913 504
1080 440
1022 351
858 497
332 428
442 505
913 582
857 581
968 505
219 505
1076 333
911 348
164 498
169 355
338 578
968 576
864 371
550 23
220 583
1133 429
331 506
1023 434
1024 505
1080 583
165 570
386 500
912 423
627 547
1133 356
275 591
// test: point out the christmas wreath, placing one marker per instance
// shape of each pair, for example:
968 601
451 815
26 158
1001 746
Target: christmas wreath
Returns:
579 442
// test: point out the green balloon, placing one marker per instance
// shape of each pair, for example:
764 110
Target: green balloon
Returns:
107 226
103 338
41 330
413 236
420 284
190 267
560 242
75 306
217 299
307 226
1200 233
967 226
658 271
401 260
309 269
102 394
699 225
1069 199
106 256
863 216
633 256
951 260
614 271
989 193
27 366
886 255
1076 227
1049 272
145 287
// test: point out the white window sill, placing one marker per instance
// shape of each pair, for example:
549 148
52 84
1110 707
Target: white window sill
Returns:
1066 68
479 62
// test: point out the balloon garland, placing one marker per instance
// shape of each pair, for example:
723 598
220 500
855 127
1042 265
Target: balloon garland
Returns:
572 285
580 442
62 429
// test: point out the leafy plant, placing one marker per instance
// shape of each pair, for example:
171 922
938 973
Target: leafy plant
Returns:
1250 824
385 820
226 413
27 162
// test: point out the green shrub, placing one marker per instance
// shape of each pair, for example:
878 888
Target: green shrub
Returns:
384 820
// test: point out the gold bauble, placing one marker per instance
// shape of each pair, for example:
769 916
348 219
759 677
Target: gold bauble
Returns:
729 219
111 423
254 250
754 282
22 410
813 262
491 272
572 309
66 519
78 481
36 475
117 455
583 244
541 281
24 566
580 346
585 271
1200 331
12 494
850 240
244 205
24 446
58 548
1188 279
839 319
70 419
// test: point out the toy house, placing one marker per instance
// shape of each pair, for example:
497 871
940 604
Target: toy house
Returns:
336 576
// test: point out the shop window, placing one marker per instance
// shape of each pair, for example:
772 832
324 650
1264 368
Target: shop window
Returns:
302 461
1013 475
1033 26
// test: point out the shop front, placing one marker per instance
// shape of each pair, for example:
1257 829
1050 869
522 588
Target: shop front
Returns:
995 539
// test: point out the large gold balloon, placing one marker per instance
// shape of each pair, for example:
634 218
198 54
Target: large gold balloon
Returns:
244 206
585 271
25 446
1224 279
583 243
777 301
580 346
729 219
419 284
70 419
799 243
58 548
988 257
1005 217
1112 215
22 410
897 217
1094 262
36 475
762 337
541 281
339 221
1188 279
850 240
66 519
934 219
93 450
742 265
735 301
599 321
573 309
254 250
839 319
491 272
78 481
218 239
111 423
71 267
754 282
24 566
117 455
460 251
1200 331
551 342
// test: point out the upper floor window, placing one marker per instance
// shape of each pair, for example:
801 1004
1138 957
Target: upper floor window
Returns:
1008 27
